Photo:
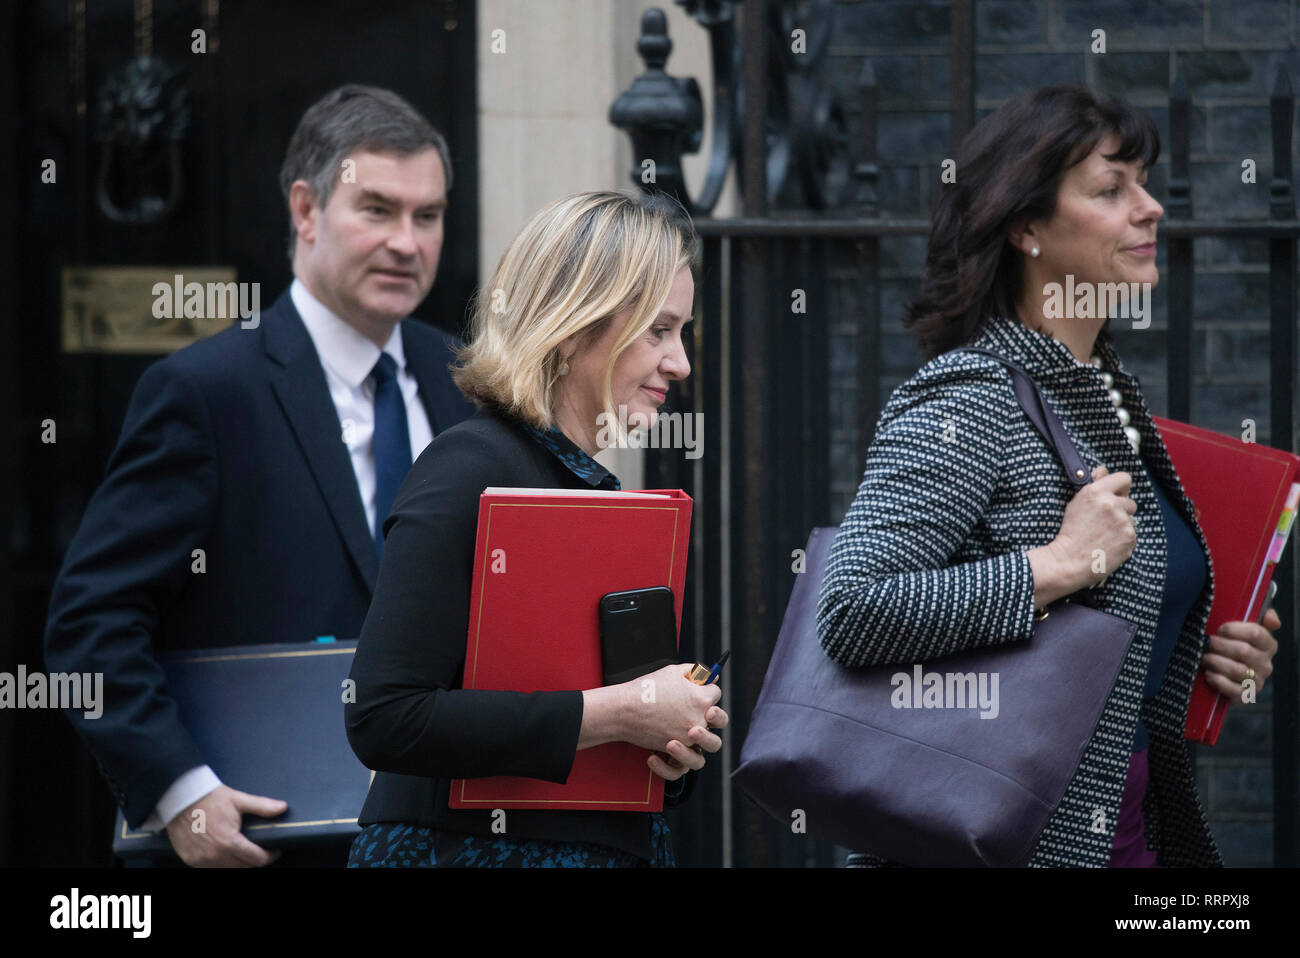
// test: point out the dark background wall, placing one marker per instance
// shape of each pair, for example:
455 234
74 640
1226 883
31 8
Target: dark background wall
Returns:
275 59
270 62
1231 50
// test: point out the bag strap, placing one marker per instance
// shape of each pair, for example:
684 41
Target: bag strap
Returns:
1042 416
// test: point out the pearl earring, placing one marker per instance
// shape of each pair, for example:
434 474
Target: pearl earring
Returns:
1034 251
564 368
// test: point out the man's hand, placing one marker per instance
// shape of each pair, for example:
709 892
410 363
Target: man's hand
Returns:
213 839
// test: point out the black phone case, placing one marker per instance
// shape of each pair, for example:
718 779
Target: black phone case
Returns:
638 633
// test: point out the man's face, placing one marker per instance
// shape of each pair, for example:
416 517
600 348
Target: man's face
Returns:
372 253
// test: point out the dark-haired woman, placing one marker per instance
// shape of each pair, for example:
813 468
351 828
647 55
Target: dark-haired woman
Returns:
965 524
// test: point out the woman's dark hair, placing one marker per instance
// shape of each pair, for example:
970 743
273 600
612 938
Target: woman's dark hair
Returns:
1009 170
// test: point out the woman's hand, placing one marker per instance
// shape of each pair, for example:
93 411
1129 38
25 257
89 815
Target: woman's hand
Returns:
1237 647
1098 517
663 711
671 715
681 759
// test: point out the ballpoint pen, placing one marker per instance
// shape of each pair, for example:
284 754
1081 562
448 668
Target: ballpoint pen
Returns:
701 674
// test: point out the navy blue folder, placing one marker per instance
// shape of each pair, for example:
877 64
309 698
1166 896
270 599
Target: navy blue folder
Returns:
269 721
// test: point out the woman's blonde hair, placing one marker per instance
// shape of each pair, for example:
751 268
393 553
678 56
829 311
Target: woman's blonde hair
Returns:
577 263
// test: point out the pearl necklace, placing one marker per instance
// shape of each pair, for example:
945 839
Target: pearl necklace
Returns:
1117 400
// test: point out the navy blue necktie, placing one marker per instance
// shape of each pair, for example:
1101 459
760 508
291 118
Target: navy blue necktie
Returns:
392 442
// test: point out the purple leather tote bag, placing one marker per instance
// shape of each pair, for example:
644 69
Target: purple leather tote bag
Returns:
835 749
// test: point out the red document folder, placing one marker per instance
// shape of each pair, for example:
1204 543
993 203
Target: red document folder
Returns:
542 562
1240 491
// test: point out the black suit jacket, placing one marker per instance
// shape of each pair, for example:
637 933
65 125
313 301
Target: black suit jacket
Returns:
412 721
232 446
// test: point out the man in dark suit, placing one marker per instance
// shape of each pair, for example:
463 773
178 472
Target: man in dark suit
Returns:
244 500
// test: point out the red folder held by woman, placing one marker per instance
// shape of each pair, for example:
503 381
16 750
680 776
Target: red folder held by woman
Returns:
543 559
1241 492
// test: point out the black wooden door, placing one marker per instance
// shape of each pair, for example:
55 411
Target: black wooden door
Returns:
264 64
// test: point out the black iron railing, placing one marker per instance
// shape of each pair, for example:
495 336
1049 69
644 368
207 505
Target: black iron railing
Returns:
762 366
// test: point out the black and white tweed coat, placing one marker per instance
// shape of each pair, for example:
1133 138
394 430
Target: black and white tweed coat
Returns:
931 559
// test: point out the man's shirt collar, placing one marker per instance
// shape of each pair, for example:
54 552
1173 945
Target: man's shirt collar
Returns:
342 349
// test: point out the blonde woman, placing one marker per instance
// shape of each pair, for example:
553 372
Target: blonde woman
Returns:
584 314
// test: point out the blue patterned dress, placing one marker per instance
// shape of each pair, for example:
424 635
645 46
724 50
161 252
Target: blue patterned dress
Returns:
395 845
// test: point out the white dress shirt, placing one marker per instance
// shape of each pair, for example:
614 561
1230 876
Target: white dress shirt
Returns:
348 358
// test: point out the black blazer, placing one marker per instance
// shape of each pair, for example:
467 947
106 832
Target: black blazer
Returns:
412 721
233 446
